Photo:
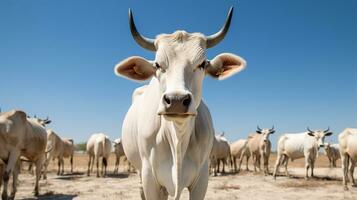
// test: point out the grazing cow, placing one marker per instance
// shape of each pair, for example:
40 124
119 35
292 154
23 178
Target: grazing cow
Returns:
168 133
332 153
58 148
238 150
220 153
98 145
21 136
348 151
259 147
300 145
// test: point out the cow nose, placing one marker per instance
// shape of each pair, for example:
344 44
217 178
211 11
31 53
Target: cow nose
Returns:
176 103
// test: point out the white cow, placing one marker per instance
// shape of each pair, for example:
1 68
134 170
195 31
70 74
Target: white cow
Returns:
332 153
21 136
168 132
58 148
348 150
259 147
300 145
220 153
239 150
98 145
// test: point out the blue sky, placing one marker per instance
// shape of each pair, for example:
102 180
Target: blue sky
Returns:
57 59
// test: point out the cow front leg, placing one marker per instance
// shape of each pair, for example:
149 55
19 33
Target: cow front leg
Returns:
312 167
13 158
307 166
151 188
199 188
15 175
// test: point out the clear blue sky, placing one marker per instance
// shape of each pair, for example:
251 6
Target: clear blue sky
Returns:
57 59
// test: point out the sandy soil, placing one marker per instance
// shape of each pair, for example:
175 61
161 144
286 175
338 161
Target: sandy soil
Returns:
245 185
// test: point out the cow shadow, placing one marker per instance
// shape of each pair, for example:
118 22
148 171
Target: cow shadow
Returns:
52 196
70 176
119 175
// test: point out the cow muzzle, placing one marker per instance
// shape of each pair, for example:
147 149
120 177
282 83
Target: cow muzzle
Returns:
176 105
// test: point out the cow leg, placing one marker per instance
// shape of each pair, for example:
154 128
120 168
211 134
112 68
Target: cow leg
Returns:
307 166
150 187
71 160
89 162
312 167
15 175
39 162
62 163
344 162
13 158
286 161
277 165
218 164
223 163
234 159
105 163
247 157
116 167
59 166
351 170
199 188
96 158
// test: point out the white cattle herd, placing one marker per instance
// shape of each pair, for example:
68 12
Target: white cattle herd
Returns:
167 133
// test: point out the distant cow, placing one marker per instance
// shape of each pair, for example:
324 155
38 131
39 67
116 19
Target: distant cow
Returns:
332 153
98 145
238 150
348 150
220 153
300 145
21 136
119 152
259 147
58 148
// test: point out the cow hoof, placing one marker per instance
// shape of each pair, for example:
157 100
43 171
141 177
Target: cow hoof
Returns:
35 193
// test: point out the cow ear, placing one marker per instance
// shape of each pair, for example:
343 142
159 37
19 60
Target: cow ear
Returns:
135 68
272 132
328 133
311 134
225 65
259 132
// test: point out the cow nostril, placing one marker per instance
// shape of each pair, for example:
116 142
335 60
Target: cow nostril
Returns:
167 100
187 100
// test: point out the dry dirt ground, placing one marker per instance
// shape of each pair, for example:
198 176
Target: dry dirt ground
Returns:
245 185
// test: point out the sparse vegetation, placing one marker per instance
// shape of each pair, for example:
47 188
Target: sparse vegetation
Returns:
80 146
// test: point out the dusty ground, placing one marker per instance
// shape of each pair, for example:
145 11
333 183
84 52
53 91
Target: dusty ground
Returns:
246 185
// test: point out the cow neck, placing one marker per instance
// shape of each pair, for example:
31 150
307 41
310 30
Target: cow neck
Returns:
178 134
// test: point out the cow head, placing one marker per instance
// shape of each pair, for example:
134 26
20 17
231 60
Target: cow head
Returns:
319 135
43 122
180 66
265 132
12 121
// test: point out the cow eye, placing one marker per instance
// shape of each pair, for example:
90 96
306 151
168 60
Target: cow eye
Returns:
202 65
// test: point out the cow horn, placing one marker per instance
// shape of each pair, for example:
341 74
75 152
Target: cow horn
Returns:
259 129
146 43
308 129
214 39
272 128
327 130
